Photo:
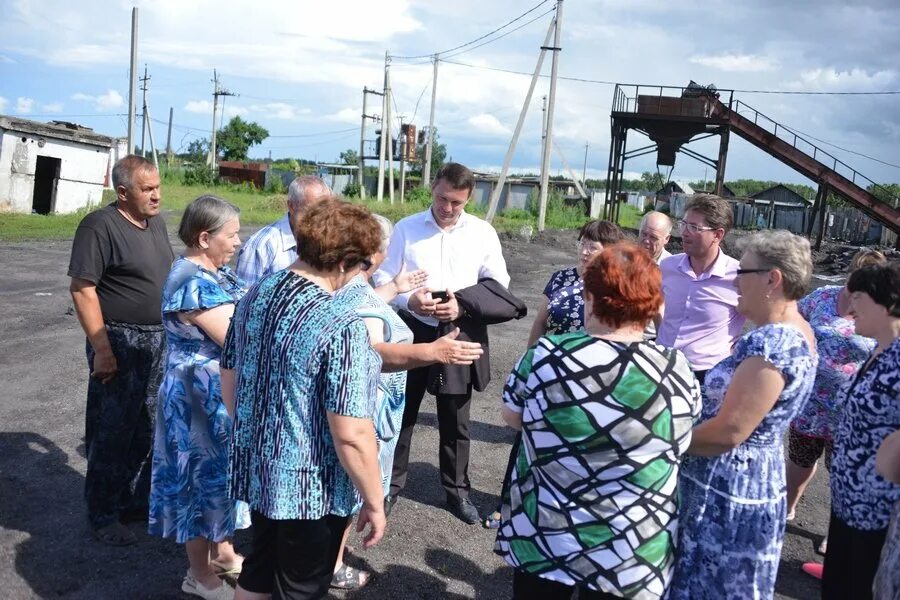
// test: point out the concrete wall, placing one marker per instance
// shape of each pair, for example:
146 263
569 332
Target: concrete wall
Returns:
83 169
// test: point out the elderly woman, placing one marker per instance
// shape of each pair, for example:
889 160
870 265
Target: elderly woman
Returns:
300 377
188 494
861 499
564 311
841 353
393 340
605 417
733 504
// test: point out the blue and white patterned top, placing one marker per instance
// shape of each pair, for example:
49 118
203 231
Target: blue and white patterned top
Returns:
270 249
358 296
860 497
841 353
733 505
565 306
296 355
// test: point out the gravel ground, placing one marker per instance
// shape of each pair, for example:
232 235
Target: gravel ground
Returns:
46 551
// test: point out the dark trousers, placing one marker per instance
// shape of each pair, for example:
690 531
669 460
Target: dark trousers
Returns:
119 417
292 559
851 561
453 426
532 587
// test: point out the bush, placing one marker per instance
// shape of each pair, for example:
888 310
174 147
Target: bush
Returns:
351 190
199 174
275 185
418 196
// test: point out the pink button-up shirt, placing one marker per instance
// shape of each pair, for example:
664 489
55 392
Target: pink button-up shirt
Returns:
701 317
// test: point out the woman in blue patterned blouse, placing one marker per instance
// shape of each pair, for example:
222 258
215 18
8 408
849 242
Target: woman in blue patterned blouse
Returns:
300 377
861 499
188 496
564 311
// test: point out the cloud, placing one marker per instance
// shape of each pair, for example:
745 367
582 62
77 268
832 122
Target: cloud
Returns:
737 63
5 60
830 79
205 107
3 103
111 99
486 124
52 107
24 105
279 110
345 115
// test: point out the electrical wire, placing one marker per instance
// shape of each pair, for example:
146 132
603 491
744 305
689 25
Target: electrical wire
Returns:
500 37
796 131
478 39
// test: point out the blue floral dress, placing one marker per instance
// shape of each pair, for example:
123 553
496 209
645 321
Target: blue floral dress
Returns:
733 506
188 497
565 301
359 297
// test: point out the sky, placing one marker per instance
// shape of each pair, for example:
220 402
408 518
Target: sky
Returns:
299 69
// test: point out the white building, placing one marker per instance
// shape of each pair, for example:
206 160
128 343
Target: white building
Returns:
53 167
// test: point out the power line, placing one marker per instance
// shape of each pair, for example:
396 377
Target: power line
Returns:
795 131
305 135
605 82
500 37
478 39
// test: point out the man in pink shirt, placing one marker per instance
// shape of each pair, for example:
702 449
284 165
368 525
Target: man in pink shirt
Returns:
700 316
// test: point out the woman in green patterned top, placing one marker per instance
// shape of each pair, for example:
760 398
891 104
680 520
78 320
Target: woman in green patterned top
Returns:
605 419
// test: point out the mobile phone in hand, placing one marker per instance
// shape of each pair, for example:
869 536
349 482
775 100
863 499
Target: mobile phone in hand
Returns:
441 296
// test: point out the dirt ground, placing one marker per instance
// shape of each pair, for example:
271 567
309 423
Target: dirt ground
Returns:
45 549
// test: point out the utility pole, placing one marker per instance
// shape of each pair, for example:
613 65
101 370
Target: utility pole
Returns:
145 80
381 147
388 100
216 93
401 143
584 168
360 179
169 139
545 163
544 121
132 79
150 131
426 168
495 195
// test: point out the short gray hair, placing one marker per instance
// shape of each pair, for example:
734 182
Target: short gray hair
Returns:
125 168
303 188
789 253
206 213
387 229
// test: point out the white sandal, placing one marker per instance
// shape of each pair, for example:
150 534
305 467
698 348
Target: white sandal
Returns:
190 585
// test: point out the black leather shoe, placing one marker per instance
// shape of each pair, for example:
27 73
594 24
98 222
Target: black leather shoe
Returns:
389 502
463 509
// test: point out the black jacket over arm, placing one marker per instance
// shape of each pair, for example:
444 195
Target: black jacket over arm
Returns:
485 303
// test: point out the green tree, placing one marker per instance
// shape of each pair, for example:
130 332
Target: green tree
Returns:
438 153
350 157
235 139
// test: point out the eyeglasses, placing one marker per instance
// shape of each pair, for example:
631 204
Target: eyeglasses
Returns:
745 271
365 264
693 228
588 246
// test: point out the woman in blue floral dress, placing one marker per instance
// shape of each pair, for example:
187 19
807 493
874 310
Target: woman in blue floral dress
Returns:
732 482
564 311
188 497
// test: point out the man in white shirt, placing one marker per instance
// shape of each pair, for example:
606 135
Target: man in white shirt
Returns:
274 247
456 249
654 234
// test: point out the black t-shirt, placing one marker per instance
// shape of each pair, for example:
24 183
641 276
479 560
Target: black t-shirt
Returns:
129 265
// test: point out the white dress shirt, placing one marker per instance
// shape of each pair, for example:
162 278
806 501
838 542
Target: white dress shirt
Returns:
454 259
270 249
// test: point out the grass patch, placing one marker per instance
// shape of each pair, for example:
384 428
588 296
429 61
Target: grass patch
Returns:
261 208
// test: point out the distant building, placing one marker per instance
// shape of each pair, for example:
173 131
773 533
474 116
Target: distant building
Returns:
676 187
54 167
780 207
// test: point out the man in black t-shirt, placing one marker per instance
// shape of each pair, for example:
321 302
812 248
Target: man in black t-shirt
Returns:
120 260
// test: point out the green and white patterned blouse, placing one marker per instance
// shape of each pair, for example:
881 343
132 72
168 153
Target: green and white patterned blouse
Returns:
592 498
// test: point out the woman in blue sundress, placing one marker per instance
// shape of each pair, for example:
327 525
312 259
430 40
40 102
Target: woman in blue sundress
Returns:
732 482
188 496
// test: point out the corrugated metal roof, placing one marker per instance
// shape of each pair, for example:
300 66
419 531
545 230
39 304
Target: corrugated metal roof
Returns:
59 130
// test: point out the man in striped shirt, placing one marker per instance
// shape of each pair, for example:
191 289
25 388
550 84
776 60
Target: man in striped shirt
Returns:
274 247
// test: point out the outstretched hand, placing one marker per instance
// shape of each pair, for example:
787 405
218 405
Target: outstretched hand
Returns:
448 350
408 281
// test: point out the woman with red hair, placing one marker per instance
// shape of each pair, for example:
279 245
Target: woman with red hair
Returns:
605 418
